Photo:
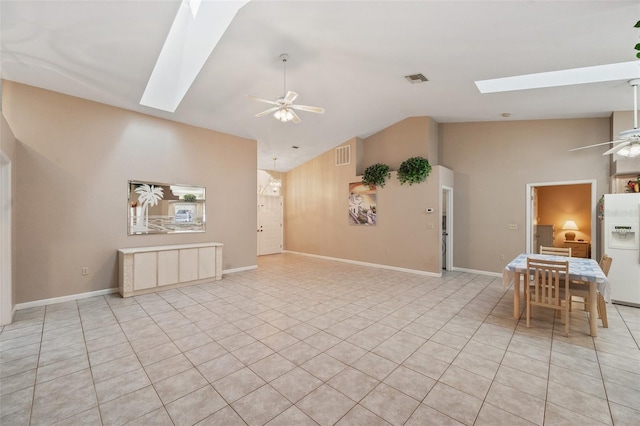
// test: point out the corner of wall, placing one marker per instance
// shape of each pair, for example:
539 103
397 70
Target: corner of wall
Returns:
359 146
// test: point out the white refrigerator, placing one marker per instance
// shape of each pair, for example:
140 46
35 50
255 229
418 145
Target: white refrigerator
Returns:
621 242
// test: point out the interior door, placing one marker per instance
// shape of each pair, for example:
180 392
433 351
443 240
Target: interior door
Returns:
270 217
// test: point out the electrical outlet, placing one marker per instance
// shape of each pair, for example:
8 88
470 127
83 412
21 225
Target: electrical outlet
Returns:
85 270
512 226
429 225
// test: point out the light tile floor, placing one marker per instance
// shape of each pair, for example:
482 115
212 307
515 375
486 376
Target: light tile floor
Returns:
305 341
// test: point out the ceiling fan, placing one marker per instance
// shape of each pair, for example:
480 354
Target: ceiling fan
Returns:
284 106
629 142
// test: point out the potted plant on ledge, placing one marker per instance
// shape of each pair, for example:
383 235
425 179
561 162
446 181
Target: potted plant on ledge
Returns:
376 174
414 170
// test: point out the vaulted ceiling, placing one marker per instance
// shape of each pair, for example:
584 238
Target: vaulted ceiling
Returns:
349 57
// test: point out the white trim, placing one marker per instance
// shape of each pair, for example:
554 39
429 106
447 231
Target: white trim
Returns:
6 281
241 269
373 265
594 203
44 302
478 272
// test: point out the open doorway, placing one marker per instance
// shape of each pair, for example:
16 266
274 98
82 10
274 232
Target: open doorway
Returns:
562 214
447 228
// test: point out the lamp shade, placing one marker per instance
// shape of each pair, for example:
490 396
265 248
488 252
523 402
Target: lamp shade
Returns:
570 226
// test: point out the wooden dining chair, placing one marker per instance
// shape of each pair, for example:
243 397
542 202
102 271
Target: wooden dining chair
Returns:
548 288
581 289
557 251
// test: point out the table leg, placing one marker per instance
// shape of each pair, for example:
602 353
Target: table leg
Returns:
593 309
516 295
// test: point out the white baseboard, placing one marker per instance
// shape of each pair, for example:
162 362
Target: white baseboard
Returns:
44 302
478 272
241 269
61 299
373 265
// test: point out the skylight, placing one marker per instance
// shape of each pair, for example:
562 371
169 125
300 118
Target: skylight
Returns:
195 32
595 74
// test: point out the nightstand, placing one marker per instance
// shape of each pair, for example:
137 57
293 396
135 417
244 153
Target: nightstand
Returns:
579 248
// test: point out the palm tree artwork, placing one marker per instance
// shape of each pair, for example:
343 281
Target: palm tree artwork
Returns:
147 195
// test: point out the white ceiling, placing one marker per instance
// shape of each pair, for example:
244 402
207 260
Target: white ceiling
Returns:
349 57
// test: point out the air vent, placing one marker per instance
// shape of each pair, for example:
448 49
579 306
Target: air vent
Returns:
343 155
416 78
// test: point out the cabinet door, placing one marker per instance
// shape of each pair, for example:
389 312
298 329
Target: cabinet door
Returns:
188 265
206 262
167 267
145 270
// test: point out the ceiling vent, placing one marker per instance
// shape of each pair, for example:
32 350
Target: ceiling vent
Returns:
343 155
416 78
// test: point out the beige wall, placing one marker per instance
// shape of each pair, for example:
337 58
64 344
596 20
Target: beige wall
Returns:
559 203
316 205
396 143
493 162
8 147
74 158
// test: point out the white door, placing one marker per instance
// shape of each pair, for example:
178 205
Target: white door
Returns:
270 214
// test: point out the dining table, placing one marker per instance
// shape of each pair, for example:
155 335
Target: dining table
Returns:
580 269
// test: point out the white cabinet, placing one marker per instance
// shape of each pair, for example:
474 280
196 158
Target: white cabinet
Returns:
189 264
168 267
145 269
206 269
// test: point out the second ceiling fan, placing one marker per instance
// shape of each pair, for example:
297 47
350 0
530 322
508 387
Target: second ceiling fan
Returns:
629 143
284 109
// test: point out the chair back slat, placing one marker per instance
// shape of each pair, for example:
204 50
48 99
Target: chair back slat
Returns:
556 251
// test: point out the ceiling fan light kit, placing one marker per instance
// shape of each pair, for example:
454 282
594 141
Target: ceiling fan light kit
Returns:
284 106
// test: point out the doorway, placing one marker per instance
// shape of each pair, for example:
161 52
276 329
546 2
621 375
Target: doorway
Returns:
447 228
270 218
6 302
581 210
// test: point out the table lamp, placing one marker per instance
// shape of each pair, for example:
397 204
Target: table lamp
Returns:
570 226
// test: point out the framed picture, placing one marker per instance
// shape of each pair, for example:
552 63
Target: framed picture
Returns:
362 204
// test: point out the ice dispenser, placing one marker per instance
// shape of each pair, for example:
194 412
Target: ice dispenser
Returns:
624 237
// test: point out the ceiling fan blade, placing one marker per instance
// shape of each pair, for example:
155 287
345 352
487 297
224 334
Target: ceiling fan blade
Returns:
617 148
594 145
268 111
308 108
296 119
595 74
291 96
254 98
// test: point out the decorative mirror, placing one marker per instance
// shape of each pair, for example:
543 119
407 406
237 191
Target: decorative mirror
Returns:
162 208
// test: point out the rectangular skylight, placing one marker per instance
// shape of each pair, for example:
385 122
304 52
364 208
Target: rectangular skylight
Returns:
195 32
595 74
